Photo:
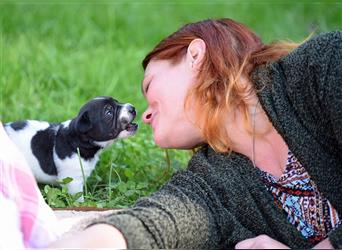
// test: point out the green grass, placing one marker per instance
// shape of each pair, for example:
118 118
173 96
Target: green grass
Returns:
56 56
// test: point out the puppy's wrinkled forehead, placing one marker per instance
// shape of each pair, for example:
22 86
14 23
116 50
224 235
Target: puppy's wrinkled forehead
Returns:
98 103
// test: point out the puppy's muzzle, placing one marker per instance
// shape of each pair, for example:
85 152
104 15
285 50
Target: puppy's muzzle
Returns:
126 117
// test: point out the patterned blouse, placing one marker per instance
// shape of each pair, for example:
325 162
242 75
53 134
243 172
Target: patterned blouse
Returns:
306 208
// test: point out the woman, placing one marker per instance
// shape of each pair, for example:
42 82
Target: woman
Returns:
267 125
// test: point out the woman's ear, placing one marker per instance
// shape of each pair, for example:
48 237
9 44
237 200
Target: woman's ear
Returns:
195 53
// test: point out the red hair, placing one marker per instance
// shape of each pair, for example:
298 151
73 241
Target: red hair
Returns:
232 51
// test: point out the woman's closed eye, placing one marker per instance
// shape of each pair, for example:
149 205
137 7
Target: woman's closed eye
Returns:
146 88
147 85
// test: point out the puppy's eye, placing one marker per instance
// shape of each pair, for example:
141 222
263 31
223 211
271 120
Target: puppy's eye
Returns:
109 112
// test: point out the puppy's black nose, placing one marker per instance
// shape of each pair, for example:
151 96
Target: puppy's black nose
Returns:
131 110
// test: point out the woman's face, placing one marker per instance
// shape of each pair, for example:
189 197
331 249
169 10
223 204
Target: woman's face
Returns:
165 87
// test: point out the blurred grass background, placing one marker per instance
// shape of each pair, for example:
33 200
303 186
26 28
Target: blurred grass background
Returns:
54 56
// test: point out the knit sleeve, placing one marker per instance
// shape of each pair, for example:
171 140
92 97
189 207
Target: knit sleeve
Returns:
177 216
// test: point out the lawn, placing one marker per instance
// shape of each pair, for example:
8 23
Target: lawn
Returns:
55 56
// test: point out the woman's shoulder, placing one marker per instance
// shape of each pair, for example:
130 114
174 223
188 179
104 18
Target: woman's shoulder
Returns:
324 38
322 41
315 53
316 50
307 65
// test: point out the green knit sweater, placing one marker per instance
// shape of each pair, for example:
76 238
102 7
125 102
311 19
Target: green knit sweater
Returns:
220 199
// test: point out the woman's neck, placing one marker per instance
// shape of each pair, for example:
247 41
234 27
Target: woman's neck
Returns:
263 145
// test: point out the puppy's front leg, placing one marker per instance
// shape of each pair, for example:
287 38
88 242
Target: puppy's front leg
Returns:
76 186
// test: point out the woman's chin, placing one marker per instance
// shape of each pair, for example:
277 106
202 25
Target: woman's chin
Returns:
160 142
175 142
167 144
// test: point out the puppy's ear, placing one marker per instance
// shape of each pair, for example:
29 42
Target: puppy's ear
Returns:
83 123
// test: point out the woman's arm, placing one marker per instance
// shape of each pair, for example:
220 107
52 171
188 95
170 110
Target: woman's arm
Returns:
180 215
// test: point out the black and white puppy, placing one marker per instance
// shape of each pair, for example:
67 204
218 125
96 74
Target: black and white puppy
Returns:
51 148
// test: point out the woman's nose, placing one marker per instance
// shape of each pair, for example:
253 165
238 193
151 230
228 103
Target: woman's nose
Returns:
147 116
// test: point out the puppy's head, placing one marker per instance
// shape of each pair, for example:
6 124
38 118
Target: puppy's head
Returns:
103 119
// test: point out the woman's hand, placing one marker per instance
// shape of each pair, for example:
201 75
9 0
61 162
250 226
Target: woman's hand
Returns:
260 242
96 236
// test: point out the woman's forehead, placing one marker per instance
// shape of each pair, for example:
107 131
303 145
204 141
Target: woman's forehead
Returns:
156 65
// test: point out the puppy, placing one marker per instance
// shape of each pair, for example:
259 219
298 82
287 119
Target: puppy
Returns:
51 148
